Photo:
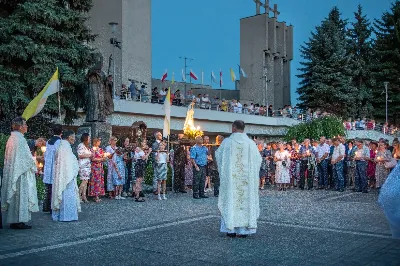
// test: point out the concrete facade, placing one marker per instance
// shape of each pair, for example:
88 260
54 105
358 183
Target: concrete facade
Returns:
133 60
266 45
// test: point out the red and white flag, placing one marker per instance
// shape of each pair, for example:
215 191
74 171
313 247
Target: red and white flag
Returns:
193 75
220 78
164 76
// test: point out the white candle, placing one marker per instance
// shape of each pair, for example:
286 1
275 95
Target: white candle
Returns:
43 149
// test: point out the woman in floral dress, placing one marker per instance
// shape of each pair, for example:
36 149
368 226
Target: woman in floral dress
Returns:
96 183
382 156
188 172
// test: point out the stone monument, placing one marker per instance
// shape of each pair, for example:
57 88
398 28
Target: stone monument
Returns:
97 108
266 50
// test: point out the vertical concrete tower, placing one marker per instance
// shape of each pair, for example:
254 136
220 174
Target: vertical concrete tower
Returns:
266 49
133 60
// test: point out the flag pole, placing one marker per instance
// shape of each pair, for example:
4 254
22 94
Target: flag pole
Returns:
59 97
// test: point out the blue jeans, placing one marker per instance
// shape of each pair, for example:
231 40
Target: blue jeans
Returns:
361 176
338 175
323 173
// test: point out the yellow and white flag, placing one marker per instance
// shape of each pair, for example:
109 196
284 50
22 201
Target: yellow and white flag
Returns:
167 118
37 104
233 76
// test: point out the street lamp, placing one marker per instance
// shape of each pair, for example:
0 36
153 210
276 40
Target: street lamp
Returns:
386 99
114 43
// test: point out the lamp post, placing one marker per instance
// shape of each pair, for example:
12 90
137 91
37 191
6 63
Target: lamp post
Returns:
113 42
386 99
185 66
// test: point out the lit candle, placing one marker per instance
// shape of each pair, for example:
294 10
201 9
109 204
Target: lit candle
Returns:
40 165
379 158
308 152
95 148
43 149
106 154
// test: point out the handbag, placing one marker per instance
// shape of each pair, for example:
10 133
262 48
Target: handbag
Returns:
391 164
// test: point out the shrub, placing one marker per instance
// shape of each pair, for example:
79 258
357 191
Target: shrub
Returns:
328 126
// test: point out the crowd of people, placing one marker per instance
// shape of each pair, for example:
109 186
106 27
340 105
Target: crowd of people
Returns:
125 172
334 163
237 167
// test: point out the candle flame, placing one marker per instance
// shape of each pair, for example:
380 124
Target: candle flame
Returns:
43 149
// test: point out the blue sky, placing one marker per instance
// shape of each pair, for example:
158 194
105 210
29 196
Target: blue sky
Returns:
209 31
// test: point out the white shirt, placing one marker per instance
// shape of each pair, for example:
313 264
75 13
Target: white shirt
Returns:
163 93
338 151
322 149
139 155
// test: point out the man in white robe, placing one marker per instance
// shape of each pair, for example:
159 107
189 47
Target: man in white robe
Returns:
18 191
49 156
239 163
65 202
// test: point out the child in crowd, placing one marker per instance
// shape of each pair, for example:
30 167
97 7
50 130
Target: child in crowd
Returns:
162 170
140 158
119 173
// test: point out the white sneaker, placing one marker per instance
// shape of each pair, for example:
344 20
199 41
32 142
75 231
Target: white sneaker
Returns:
124 194
117 197
121 197
164 197
159 197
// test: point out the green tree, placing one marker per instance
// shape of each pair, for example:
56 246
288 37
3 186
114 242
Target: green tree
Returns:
360 50
326 78
37 36
387 67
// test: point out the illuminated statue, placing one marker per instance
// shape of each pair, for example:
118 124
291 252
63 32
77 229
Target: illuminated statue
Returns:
189 129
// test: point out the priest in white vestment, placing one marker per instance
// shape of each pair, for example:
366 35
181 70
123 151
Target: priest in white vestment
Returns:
65 202
18 191
239 163
49 156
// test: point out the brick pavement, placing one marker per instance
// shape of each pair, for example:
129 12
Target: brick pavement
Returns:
295 228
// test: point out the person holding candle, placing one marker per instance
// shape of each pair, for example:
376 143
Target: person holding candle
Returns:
305 154
140 158
361 157
118 174
282 175
110 150
350 164
84 155
96 183
371 168
382 156
322 151
162 171
49 156
337 159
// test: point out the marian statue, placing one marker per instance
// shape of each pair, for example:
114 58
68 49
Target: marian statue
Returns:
98 108
189 122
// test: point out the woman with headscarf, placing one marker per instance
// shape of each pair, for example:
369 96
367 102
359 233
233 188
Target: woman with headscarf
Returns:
65 201
382 156
110 150
96 183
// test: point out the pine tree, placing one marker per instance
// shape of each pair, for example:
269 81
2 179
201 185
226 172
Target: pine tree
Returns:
387 68
37 36
360 50
326 73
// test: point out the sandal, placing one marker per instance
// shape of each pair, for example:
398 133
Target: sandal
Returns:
97 200
140 200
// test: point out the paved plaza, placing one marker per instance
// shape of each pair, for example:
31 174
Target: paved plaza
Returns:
295 228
